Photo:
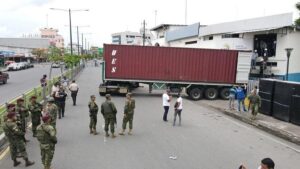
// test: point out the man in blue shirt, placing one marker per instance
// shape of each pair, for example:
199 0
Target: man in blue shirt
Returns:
240 94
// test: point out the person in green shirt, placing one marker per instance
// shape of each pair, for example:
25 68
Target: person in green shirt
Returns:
255 103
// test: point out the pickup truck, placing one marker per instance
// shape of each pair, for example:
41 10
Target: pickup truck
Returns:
3 77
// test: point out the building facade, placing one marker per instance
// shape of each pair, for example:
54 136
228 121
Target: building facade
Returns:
131 38
269 36
52 34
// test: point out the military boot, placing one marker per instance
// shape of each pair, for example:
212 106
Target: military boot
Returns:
106 135
91 131
130 132
16 163
95 132
122 132
28 163
113 135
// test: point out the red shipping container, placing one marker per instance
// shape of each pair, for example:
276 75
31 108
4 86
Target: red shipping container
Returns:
146 63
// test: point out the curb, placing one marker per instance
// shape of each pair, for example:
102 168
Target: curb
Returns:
265 127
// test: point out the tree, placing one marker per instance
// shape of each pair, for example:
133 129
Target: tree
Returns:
297 22
40 53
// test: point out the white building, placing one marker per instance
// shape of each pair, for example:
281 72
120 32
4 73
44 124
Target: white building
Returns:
274 33
52 34
75 48
131 38
160 32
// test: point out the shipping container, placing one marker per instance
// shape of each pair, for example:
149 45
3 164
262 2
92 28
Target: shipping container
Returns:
176 67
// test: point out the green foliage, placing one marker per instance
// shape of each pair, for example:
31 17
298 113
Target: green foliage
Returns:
71 60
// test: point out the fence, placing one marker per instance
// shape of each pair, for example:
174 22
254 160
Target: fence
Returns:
38 91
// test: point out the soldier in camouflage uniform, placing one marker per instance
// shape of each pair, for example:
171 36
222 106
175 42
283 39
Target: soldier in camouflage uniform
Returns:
255 103
15 139
93 108
52 110
22 115
46 135
128 113
10 108
109 112
35 109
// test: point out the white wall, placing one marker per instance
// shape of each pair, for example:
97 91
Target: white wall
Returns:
181 43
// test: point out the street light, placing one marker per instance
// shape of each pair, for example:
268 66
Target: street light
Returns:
70 21
288 54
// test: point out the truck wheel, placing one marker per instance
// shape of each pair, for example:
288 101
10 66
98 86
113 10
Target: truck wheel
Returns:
102 94
211 93
225 93
196 94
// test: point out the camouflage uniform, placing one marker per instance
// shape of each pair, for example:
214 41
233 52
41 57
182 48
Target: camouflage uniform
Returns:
255 103
109 112
128 113
46 135
15 139
93 108
36 113
22 114
52 109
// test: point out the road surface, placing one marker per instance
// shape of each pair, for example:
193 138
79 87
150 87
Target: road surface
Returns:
207 139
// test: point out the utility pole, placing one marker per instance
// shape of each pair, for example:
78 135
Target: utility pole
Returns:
144 32
78 41
70 31
85 46
155 12
82 43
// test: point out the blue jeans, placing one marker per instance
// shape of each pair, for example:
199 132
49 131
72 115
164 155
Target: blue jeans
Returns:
241 101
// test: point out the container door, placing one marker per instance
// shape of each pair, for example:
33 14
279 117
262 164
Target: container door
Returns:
243 67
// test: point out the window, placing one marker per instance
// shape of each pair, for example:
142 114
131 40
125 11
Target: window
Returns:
162 36
205 38
236 35
191 42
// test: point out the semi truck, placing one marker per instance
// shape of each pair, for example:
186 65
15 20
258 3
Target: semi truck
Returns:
200 73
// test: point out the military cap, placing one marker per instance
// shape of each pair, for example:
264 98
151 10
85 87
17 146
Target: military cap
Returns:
11 115
33 97
11 105
45 118
50 99
107 96
20 100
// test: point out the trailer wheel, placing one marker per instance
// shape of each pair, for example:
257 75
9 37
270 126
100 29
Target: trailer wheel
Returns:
196 93
211 93
102 94
225 93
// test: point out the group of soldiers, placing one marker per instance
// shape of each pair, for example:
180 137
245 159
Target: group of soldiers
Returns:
109 112
15 123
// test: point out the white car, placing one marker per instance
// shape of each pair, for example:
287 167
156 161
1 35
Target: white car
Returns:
14 66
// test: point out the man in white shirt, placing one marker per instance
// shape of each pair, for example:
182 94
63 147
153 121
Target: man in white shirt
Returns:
166 104
55 88
178 108
74 90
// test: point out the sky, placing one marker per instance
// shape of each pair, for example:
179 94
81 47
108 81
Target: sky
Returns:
105 17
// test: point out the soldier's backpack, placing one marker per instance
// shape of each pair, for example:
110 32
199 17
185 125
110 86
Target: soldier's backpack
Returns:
41 135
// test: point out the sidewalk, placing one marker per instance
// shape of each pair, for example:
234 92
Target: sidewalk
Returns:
287 131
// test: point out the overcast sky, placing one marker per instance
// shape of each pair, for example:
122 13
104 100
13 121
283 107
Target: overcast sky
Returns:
18 17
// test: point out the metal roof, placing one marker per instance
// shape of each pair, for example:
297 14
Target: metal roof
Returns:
249 25
164 25
185 32
27 43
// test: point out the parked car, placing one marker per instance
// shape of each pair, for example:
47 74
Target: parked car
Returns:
14 66
8 62
3 77
23 65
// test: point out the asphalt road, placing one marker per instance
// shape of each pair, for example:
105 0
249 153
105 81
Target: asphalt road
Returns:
24 80
207 139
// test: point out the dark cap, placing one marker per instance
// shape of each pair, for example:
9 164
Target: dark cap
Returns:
11 105
33 97
20 100
107 96
10 115
45 118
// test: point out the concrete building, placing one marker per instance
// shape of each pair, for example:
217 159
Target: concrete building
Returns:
75 49
23 46
160 32
131 38
52 34
269 36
